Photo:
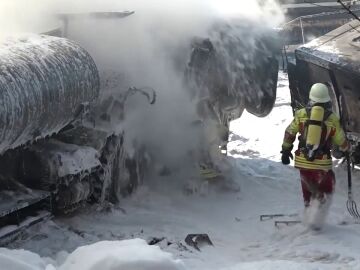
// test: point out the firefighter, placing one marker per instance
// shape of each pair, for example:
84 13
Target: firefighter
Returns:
320 131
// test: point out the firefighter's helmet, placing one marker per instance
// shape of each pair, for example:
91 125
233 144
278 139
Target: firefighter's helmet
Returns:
319 93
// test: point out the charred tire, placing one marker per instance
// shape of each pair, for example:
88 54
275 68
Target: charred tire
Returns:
120 174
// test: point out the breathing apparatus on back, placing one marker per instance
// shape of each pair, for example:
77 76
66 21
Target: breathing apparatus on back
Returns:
315 130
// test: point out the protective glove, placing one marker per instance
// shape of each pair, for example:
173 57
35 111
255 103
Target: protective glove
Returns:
338 154
286 155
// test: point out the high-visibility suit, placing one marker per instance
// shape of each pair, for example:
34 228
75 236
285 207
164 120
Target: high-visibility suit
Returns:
317 177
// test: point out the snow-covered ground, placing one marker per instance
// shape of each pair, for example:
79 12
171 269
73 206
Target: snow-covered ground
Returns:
231 219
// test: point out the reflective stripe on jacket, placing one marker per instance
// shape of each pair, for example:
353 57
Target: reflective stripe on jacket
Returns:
335 135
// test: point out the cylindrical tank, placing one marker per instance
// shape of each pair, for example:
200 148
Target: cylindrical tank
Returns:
313 134
43 82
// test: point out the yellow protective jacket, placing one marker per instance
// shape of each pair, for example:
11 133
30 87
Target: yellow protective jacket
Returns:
333 135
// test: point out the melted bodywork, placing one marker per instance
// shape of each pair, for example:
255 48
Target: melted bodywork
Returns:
236 68
228 68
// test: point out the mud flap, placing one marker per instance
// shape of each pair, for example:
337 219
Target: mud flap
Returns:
198 240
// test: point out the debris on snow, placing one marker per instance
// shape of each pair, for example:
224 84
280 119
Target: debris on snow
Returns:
198 240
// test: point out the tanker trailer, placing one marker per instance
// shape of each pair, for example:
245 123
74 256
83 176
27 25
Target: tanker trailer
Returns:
55 154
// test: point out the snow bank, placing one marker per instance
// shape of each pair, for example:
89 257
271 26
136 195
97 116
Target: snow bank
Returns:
128 254
20 260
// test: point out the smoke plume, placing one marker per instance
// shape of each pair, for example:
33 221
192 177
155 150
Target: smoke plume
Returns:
150 48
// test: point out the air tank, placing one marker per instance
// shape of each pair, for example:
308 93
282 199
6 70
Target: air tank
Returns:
43 82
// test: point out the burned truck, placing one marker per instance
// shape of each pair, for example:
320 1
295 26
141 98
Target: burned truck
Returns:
62 145
57 150
332 59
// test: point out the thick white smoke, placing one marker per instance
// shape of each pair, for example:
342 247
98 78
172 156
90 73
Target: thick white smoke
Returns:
150 48
28 16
